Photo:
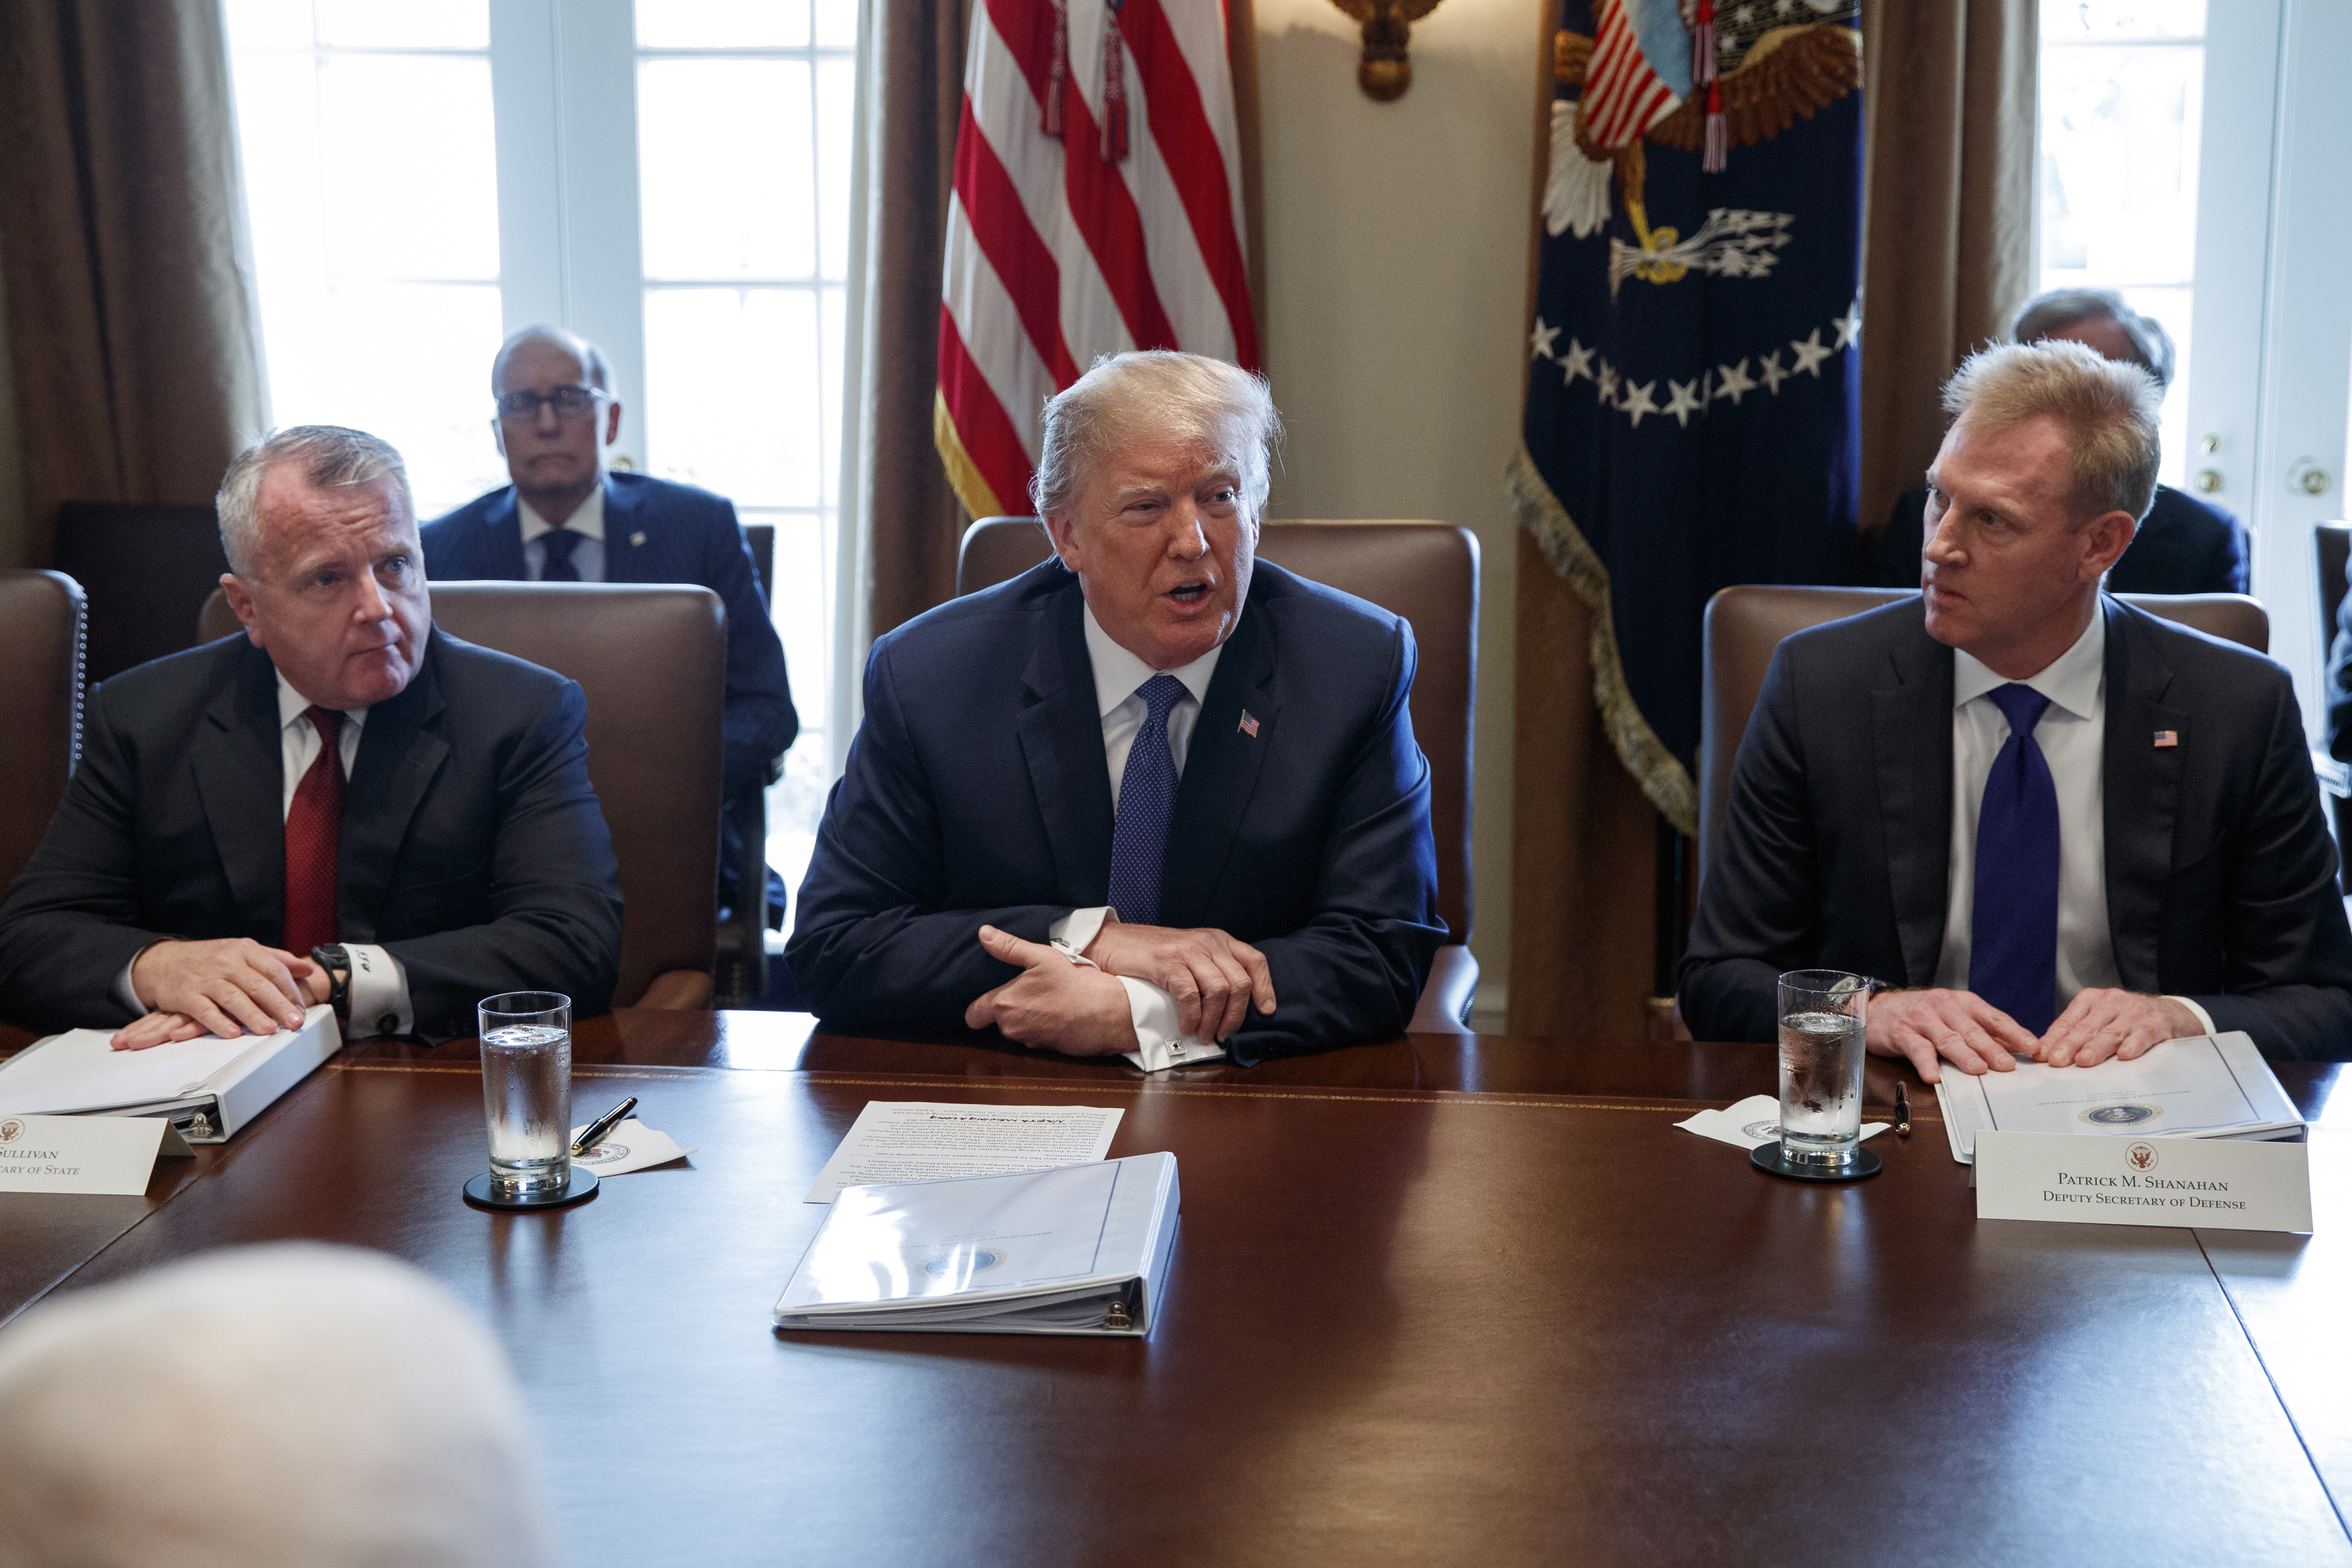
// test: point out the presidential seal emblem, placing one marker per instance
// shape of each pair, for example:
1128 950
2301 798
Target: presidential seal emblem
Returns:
9 1130
2140 1157
605 1155
1760 1129
971 1260
2123 1114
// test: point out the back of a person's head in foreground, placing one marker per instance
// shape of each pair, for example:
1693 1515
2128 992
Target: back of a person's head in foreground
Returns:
264 1406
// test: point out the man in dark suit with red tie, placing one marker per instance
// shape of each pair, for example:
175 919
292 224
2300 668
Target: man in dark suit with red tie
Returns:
1153 798
341 804
566 518
2054 825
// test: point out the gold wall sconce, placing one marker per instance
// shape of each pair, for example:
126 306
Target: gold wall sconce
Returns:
1384 72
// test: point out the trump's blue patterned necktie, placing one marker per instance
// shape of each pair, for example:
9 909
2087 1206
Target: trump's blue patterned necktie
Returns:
2014 925
1147 795
559 543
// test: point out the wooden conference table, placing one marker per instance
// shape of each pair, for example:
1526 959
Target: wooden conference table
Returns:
1444 1300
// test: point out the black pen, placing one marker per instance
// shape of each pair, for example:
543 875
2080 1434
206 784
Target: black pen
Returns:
1901 1112
602 1125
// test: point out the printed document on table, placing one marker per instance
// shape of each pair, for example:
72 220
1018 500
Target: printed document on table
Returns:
992 1237
2192 1087
80 1070
903 1141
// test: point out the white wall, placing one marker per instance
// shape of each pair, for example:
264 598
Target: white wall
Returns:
1396 258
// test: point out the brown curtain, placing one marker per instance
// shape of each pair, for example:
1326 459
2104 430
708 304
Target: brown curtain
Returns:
915 520
1948 125
130 320
1949 96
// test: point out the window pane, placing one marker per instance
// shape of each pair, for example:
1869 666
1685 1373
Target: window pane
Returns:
407 193
722 24
836 85
835 304
2119 136
410 24
726 168
2066 20
731 398
269 23
837 24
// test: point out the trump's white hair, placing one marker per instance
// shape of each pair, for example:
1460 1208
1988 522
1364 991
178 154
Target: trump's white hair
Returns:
293 1406
1161 392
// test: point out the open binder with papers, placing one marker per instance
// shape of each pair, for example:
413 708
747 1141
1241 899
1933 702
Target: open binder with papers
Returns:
206 1087
1082 1249
2202 1086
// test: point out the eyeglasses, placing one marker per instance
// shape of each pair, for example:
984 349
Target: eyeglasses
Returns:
571 402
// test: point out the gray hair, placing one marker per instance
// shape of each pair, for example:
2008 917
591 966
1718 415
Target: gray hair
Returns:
2063 308
347 1410
2109 410
592 358
1192 397
331 457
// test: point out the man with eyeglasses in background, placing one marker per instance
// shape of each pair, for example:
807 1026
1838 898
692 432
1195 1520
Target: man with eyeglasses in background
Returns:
568 519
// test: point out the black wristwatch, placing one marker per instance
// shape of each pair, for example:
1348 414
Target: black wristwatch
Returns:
337 963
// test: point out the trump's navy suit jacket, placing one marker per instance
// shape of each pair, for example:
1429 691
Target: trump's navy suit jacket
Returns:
1836 849
654 531
472 847
978 793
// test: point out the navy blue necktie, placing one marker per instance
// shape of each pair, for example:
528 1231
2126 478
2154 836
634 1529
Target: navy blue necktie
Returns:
1147 797
559 543
2013 931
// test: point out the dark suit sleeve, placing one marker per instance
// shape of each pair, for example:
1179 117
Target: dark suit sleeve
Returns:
66 929
2228 571
871 945
2339 685
1759 905
1355 970
760 722
2286 950
554 895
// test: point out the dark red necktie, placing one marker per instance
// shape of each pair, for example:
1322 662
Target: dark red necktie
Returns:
313 826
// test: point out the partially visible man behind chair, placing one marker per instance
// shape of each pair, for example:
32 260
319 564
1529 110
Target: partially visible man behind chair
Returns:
2183 545
567 518
1151 797
283 1406
2029 805
342 782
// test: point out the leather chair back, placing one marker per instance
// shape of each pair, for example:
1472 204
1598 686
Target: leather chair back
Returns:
652 662
1743 624
41 646
147 571
1426 572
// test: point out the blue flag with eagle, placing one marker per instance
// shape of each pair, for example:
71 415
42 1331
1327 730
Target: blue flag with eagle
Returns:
1694 365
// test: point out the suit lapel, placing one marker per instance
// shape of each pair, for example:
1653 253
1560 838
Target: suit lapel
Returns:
2140 790
1911 732
1221 771
502 539
1061 738
399 753
624 559
240 777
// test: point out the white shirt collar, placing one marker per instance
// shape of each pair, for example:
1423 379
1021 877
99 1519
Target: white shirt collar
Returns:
589 519
1117 672
2071 680
292 705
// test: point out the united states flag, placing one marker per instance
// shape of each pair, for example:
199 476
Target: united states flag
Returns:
1097 208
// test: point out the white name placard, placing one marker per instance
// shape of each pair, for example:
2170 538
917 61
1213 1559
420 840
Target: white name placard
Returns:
83 1154
2217 1184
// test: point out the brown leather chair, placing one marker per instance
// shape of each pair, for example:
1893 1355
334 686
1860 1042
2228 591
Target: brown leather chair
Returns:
41 632
2331 543
147 571
1745 624
652 661
1426 572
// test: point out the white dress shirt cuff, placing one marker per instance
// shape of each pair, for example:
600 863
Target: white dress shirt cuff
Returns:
2203 1016
1076 930
379 993
1159 1044
123 992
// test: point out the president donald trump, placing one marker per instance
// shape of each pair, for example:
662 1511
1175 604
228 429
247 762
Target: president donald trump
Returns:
1152 798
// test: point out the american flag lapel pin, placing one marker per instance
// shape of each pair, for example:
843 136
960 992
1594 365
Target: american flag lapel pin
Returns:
2165 738
1248 726
637 541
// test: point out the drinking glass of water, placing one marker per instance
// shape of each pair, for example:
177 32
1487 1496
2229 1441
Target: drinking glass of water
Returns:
1821 1066
526 1091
